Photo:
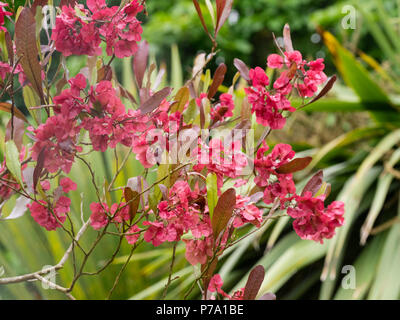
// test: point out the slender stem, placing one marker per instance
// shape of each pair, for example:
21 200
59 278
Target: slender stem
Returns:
170 271
122 270
86 256
119 169
385 225
108 262
55 286
31 276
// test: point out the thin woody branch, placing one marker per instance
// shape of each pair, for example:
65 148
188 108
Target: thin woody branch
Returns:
59 265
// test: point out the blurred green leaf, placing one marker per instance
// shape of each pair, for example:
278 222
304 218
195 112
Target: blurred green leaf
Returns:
386 285
12 161
212 192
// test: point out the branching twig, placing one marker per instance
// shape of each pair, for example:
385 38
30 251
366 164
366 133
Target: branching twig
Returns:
170 271
31 276
122 269
55 286
119 169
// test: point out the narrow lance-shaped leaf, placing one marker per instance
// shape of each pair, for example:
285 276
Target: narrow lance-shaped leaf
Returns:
133 198
234 81
223 211
17 126
37 172
287 40
212 192
325 189
154 101
224 8
181 99
126 94
294 165
104 73
38 3
254 282
164 191
292 70
19 208
255 197
176 72
314 184
61 84
140 62
5 106
139 184
10 49
245 112
324 90
159 78
217 80
200 14
242 68
146 90
211 11
192 90
202 116
12 161
27 176
25 42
